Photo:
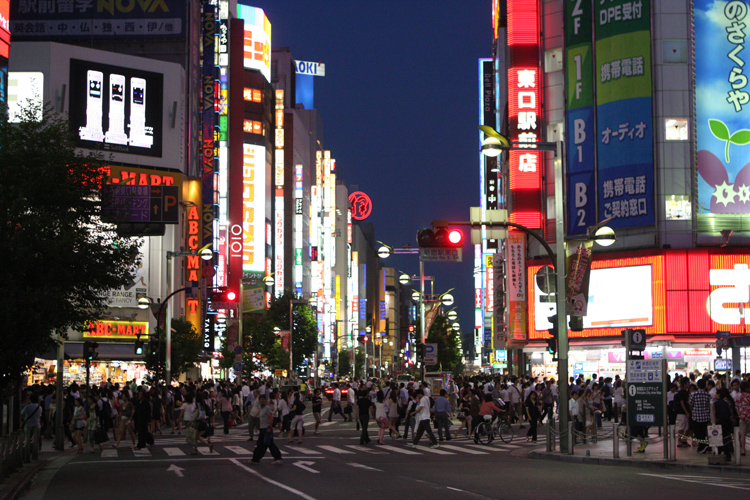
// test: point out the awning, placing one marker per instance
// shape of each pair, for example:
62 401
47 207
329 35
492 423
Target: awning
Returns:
117 351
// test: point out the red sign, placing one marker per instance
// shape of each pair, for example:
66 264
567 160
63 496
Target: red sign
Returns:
361 205
116 329
524 112
4 27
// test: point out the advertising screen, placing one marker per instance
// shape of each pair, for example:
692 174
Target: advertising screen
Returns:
116 109
253 208
65 19
609 290
4 27
257 39
722 107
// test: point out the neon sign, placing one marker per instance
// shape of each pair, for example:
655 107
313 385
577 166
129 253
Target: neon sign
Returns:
361 205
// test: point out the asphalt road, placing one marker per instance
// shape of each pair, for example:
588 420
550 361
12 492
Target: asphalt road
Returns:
333 465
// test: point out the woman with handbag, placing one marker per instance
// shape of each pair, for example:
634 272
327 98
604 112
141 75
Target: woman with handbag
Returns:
381 416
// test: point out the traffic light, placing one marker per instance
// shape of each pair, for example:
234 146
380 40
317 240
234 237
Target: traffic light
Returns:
552 345
440 238
420 351
153 347
576 323
89 350
553 319
139 347
410 328
223 299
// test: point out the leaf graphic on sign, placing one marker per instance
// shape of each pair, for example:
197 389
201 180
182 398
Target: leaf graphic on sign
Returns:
721 132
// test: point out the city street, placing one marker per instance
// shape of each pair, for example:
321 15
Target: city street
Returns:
333 465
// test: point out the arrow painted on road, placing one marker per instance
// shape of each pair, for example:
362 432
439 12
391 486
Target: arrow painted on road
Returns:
304 465
362 466
177 470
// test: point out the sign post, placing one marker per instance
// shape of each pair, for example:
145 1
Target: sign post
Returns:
430 354
646 394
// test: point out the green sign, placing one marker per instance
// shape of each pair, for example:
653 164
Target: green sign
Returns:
645 404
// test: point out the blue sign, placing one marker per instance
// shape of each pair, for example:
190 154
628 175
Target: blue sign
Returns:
237 367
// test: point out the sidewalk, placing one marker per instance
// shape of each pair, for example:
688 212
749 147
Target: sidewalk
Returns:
601 453
15 485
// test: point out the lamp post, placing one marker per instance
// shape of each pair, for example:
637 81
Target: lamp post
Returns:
493 145
291 328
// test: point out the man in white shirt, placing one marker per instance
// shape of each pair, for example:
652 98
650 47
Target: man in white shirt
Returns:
426 390
336 402
422 419
515 400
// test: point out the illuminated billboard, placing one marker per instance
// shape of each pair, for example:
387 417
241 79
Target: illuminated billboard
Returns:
257 39
25 89
4 28
524 108
116 109
722 107
253 208
625 156
65 19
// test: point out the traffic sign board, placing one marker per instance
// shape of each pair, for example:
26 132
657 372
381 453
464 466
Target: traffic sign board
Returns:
641 371
238 367
430 354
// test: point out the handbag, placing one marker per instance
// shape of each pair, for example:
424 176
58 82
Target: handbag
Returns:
101 436
191 435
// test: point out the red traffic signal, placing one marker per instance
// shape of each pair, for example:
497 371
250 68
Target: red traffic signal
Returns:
411 328
440 238
223 299
231 296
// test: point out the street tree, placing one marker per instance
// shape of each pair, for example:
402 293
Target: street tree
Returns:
446 339
186 348
60 257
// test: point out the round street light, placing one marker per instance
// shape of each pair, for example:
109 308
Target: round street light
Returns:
206 254
276 330
143 302
415 296
456 327
452 316
269 280
605 236
404 278
384 252
446 299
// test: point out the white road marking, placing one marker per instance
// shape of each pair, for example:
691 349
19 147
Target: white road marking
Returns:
365 449
705 480
271 481
109 453
177 470
174 452
305 466
141 453
486 448
336 450
464 450
239 450
305 451
204 450
436 451
400 450
361 466
324 424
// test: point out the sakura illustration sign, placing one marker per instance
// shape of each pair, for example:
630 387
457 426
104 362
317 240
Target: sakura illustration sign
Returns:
361 205
722 107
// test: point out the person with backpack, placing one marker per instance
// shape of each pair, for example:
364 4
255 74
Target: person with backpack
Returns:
548 404
607 398
297 419
104 408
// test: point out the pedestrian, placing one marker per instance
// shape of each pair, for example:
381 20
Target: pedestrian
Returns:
618 400
423 421
317 408
142 417
442 415
725 413
532 414
336 403
548 403
31 417
464 413
516 401
92 423
78 423
157 412
265 436
297 423
409 413
743 410
125 423
381 415
253 421
365 408
393 414
225 407
700 414
574 413
350 402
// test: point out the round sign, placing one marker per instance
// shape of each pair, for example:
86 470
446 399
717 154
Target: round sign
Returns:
208 272
637 337
238 367
238 349
361 205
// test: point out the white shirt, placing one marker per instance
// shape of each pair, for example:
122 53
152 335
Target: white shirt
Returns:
336 394
515 394
427 392
350 395
424 409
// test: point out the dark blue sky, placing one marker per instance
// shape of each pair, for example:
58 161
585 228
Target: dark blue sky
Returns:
399 105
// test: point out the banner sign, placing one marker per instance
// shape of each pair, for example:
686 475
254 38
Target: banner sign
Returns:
517 329
722 107
623 105
579 116
577 282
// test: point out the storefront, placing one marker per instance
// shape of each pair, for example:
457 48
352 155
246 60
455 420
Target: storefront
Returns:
681 298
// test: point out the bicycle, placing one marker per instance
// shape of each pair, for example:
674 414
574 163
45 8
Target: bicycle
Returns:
487 430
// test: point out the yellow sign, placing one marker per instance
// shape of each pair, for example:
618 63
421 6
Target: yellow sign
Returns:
116 329
280 373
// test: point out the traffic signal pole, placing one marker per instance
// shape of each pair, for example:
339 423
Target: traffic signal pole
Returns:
421 316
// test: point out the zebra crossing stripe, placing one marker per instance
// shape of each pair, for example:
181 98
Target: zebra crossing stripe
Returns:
205 450
141 453
174 452
436 451
336 450
365 449
399 450
239 450
464 450
306 451
109 453
486 448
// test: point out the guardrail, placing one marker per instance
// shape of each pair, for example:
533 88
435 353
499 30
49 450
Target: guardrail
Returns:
16 449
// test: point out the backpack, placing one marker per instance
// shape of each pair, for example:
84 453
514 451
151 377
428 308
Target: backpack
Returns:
106 410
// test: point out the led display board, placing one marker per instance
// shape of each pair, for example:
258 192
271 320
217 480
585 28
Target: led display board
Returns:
96 19
253 208
625 156
257 39
116 109
722 107
524 107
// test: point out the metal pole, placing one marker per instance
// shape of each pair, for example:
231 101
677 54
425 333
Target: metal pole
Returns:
562 329
737 456
615 441
59 434
570 439
291 327
672 443
168 322
421 315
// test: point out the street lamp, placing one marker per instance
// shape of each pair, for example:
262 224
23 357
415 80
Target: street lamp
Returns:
452 315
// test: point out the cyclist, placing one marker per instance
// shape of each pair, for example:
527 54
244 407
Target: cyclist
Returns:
491 408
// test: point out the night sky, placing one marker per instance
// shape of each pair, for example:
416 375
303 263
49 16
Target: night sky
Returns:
399 105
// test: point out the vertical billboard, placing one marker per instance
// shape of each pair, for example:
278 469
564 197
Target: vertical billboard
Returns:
722 107
257 39
625 168
4 28
253 208
207 136
579 116
524 106
517 304
488 165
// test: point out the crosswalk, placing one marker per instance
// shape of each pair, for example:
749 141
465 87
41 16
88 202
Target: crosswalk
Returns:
178 448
